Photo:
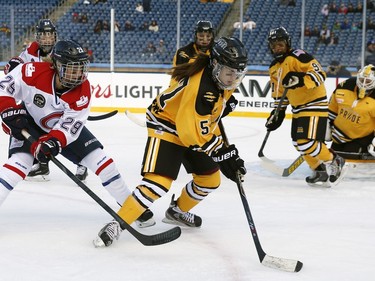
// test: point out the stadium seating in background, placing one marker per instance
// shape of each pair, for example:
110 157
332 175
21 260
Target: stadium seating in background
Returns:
271 14
26 15
129 44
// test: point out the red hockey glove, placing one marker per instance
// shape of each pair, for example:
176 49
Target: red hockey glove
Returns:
44 147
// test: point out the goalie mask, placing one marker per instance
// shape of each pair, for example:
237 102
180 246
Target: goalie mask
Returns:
275 36
228 62
71 63
45 35
366 80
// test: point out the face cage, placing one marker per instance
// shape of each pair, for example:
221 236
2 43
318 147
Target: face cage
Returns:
365 82
72 74
240 74
46 40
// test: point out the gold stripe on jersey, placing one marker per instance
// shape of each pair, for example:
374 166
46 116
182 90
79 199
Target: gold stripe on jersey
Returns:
151 154
211 146
313 124
317 77
339 136
318 107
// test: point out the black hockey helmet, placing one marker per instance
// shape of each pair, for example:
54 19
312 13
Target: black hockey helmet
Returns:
204 26
279 34
230 53
45 35
71 62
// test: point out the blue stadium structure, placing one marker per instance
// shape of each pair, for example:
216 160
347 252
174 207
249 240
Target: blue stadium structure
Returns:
271 14
129 45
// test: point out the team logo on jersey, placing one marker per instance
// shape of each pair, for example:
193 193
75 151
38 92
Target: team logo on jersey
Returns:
183 54
39 100
210 97
82 101
30 69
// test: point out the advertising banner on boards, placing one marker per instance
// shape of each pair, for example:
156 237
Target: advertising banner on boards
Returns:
136 91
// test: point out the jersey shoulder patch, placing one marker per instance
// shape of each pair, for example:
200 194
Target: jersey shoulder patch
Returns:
79 97
301 55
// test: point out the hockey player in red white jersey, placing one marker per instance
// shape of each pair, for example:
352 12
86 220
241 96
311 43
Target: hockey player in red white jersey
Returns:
52 102
37 51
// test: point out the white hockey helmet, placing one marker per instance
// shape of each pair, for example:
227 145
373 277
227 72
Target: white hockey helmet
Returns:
366 80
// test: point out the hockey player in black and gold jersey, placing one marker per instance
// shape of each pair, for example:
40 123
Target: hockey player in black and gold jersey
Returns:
303 78
182 125
204 35
352 113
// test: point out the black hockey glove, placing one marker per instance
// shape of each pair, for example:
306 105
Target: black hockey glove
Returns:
44 147
275 121
14 121
293 80
230 162
230 106
13 62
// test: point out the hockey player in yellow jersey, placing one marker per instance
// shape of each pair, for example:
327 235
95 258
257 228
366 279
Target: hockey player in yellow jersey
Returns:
182 124
204 35
352 113
302 76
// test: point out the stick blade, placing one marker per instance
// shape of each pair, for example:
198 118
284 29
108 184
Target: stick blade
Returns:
134 119
154 239
288 265
270 166
103 116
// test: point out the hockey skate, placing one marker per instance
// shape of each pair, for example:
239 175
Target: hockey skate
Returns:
174 215
319 177
38 172
336 169
110 232
81 172
146 219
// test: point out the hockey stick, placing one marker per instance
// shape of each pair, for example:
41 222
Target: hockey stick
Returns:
135 119
267 260
268 163
103 116
147 240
